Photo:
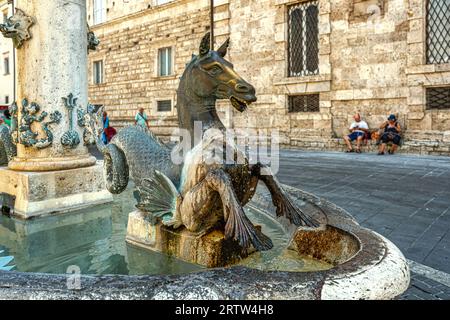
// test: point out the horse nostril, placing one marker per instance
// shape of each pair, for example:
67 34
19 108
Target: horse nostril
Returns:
243 88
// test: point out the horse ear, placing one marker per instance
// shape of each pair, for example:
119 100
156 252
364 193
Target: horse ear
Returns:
224 48
205 45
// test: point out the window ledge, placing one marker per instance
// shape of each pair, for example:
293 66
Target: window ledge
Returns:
433 111
304 112
158 114
285 2
171 77
305 79
163 4
98 24
428 68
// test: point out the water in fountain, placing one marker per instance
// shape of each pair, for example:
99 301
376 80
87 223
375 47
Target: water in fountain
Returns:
93 240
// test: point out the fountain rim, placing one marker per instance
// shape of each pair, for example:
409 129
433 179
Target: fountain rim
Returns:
378 270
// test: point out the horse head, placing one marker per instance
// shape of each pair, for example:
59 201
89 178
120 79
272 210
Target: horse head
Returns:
213 76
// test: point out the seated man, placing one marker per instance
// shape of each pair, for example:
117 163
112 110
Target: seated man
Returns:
358 130
391 133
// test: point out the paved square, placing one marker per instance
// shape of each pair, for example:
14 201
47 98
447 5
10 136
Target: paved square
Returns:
404 198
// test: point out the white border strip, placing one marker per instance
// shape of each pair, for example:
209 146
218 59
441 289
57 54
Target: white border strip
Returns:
430 273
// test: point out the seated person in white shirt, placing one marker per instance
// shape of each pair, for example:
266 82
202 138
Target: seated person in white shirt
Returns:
358 130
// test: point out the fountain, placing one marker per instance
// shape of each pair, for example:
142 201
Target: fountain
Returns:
195 222
344 261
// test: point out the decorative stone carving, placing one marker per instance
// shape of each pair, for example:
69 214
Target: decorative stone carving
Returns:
70 138
81 120
17 28
29 138
93 41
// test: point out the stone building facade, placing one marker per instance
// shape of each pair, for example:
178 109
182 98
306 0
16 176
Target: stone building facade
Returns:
313 64
6 61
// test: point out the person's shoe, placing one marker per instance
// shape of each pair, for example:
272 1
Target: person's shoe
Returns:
391 152
358 151
349 150
380 153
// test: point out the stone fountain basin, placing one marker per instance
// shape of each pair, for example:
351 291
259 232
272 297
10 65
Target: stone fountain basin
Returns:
366 266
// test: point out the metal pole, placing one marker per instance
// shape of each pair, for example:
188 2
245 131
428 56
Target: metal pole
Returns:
14 62
211 13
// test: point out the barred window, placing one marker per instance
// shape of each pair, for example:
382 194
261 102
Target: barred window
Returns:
304 103
438 98
303 39
438 31
164 106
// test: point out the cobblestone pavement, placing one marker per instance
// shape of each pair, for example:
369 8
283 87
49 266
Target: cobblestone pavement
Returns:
404 198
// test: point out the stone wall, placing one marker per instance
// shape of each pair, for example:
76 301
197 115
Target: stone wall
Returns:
259 30
116 9
129 51
6 51
371 60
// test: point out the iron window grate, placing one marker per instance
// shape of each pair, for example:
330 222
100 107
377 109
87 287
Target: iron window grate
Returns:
164 106
438 31
438 98
303 39
304 103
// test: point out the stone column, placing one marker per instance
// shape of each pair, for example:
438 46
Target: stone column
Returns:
53 170
51 66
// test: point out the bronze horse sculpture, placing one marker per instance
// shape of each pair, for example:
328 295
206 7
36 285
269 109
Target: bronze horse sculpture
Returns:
196 194
7 147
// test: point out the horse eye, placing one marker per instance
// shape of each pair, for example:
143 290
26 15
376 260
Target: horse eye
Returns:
215 70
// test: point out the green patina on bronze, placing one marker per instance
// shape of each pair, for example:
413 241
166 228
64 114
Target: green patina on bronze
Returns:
7 147
93 41
17 28
81 121
70 138
29 115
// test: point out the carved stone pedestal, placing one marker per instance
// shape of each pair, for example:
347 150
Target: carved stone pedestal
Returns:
50 192
210 250
52 171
